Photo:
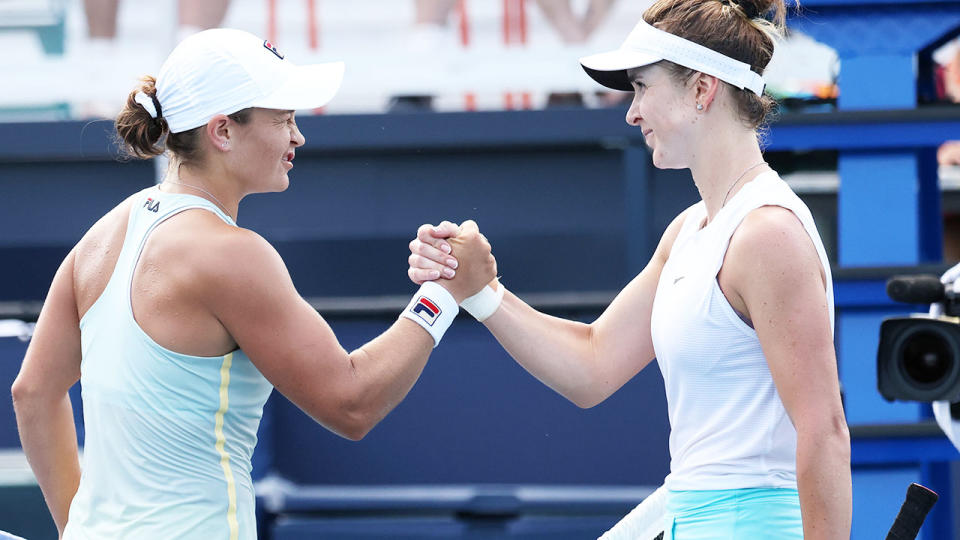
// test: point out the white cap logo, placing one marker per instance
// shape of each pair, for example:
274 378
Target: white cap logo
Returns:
270 47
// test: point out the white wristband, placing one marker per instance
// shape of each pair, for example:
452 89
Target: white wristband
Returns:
433 308
485 303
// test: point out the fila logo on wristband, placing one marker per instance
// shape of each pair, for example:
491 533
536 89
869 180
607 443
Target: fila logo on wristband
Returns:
426 310
433 308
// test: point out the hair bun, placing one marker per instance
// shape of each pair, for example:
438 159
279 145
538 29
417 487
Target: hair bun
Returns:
753 8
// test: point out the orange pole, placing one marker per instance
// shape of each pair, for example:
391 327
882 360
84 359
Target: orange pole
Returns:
272 21
312 25
506 22
527 100
464 23
522 20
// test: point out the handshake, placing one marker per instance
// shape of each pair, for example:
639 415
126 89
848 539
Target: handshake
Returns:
458 257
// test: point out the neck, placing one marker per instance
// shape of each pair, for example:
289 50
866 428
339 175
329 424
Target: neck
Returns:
182 178
724 166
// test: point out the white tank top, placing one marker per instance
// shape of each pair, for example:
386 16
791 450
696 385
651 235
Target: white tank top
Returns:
729 429
169 436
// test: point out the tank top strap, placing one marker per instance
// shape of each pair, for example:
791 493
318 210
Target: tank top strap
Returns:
149 208
768 189
764 190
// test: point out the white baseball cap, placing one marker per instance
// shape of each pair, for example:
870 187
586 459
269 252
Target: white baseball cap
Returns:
646 45
222 71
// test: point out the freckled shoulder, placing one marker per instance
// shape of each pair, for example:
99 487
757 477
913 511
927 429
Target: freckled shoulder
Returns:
770 242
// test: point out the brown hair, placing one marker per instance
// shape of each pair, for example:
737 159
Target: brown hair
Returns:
144 137
739 29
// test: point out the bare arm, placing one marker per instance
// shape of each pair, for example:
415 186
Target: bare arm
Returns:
40 398
585 363
296 350
561 16
596 13
773 267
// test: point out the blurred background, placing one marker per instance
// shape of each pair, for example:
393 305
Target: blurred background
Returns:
478 109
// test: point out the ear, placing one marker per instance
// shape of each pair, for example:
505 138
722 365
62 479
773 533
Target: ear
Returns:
217 131
705 88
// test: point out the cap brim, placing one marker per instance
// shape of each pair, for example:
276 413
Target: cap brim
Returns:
307 87
610 68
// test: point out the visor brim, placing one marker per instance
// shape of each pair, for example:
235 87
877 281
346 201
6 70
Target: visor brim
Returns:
610 68
307 87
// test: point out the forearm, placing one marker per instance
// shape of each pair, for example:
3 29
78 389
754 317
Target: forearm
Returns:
561 16
556 351
823 480
596 13
49 440
385 369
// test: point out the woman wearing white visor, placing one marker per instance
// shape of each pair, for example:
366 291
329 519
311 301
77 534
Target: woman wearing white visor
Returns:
179 323
736 303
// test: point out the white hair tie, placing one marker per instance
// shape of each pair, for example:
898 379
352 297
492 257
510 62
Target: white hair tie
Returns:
149 103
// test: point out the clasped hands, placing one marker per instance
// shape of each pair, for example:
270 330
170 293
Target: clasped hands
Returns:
458 257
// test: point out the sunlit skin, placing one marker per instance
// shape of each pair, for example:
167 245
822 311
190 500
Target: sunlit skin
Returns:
240 159
660 108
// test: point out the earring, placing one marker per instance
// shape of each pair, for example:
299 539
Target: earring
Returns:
224 145
699 106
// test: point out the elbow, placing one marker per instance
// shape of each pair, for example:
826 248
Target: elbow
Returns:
355 421
354 429
831 432
590 388
353 433
589 395
22 394
586 401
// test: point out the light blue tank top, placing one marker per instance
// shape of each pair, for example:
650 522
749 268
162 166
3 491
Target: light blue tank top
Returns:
169 436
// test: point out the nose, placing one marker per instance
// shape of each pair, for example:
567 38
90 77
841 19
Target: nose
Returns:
296 137
633 113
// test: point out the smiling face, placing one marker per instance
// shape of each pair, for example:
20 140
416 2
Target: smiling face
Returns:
665 109
264 149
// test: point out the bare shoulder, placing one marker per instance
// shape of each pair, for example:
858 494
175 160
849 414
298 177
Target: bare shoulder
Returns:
96 254
111 225
771 242
217 250
771 231
225 262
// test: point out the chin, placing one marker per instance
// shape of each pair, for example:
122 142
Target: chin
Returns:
281 185
661 162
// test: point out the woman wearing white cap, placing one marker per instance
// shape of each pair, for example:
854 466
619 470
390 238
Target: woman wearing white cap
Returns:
736 303
179 324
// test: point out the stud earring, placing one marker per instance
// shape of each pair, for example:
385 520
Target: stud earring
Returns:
224 146
699 106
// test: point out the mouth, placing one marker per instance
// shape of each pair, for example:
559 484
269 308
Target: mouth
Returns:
647 132
288 159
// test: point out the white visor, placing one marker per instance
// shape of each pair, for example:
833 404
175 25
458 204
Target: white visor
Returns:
646 45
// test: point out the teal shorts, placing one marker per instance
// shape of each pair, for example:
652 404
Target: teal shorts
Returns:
733 514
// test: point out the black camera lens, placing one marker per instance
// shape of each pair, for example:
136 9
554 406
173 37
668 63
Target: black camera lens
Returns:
926 358
918 359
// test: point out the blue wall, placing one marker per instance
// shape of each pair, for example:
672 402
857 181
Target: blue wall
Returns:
570 203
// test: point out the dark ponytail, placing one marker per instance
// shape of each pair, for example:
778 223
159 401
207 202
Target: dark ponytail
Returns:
139 132
773 10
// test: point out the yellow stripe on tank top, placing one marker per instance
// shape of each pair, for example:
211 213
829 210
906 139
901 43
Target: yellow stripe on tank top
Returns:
224 457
